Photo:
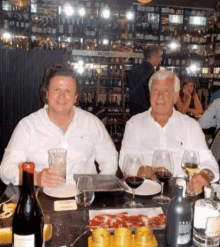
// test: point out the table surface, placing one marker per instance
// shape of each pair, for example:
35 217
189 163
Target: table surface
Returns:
69 225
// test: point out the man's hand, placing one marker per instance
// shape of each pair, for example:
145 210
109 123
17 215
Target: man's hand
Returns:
47 178
198 182
147 171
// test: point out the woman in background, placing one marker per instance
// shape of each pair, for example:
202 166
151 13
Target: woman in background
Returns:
188 102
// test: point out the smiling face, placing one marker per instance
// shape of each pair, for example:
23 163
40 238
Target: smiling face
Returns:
61 94
163 97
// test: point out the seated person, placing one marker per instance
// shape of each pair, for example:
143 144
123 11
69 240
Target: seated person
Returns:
188 101
211 117
162 127
59 124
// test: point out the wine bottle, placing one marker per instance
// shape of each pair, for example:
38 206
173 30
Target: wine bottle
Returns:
179 218
28 222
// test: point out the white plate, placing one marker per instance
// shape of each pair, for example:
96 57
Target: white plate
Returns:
149 187
63 191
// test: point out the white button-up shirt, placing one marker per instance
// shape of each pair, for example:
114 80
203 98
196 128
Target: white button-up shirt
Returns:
144 135
86 140
211 117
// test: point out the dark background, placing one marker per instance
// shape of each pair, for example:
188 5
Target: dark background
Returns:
185 3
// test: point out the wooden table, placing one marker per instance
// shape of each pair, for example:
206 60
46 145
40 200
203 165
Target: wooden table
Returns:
69 225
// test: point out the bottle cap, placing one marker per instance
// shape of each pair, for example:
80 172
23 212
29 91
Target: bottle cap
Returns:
28 167
181 183
209 192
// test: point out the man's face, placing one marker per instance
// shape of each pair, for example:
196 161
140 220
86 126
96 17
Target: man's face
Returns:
158 58
61 94
163 97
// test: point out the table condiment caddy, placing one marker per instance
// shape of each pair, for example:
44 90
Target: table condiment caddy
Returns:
122 237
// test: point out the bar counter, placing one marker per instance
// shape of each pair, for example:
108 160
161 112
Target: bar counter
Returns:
67 226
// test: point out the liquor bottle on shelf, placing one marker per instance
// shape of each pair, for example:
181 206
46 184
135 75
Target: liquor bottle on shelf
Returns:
54 26
70 27
12 23
179 218
65 27
49 26
28 222
204 209
61 26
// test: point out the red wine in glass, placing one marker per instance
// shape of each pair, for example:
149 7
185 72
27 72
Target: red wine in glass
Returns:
162 176
162 165
134 181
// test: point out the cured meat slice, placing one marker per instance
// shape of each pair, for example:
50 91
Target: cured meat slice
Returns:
123 219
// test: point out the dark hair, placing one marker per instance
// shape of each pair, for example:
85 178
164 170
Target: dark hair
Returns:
151 50
51 72
186 81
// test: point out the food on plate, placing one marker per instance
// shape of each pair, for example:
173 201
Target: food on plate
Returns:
123 219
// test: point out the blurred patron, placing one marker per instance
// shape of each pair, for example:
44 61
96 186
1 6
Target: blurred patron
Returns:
211 117
188 101
215 96
139 98
162 127
59 124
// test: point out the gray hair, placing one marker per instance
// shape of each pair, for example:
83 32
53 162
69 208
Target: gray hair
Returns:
164 74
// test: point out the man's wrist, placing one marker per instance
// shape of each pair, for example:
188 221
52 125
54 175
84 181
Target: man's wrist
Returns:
208 173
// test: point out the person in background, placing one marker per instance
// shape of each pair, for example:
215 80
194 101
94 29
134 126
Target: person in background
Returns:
188 102
215 96
162 127
139 100
211 117
59 124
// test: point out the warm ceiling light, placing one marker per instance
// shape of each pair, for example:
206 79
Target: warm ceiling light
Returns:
82 11
106 13
20 3
68 10
130 15
144 1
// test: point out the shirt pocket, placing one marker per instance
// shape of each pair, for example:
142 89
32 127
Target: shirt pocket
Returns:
81 148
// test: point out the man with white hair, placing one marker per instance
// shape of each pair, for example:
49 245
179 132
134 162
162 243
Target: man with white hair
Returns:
162 127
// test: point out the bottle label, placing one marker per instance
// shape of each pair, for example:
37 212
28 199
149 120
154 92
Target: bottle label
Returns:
213 227
202 213
23 241
184 232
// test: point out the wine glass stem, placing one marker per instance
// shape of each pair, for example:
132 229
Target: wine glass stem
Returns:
190 178
162 189
133 192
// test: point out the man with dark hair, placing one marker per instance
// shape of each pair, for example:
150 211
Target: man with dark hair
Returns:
59 124
138 85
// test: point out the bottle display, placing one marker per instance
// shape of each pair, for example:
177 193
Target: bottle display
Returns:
28 222
204 209
179 218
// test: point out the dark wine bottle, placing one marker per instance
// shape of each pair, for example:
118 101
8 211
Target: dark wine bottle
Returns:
179 218
28 222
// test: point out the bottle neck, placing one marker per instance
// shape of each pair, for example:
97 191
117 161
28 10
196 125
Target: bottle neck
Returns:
179 193
28 182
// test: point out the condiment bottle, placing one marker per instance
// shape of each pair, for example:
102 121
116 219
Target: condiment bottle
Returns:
179 218
203 233
28 222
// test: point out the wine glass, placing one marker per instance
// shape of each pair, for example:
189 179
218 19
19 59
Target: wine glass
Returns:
190 163
162 166
84 191
134 176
